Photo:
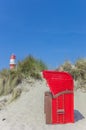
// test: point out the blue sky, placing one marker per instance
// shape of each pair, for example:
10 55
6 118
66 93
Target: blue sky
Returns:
51 30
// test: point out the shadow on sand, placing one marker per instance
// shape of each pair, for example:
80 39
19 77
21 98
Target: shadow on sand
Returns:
78 116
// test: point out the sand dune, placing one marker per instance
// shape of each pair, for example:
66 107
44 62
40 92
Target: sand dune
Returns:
27 112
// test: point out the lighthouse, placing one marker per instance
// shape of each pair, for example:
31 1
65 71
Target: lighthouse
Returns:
12 61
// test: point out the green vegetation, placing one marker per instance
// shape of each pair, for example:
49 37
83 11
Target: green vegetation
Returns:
78 72
30 67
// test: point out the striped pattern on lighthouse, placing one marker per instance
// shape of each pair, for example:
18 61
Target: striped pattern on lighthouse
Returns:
12 61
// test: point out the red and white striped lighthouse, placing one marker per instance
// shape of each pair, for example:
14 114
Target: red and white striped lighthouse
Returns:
12 61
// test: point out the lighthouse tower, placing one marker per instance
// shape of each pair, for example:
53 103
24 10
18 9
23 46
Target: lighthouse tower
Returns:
12 61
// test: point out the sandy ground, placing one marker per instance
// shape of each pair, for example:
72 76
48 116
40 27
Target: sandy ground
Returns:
27 112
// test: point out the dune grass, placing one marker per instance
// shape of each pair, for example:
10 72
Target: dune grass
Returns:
78 72
9 79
